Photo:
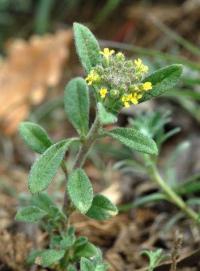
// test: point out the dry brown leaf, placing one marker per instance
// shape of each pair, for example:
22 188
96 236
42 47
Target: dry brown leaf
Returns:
29 69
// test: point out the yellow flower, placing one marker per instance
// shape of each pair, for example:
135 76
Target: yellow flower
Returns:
147 86
92 77
126 104
138 62
107 53
123 98
140 67
103 92
126 100
131 98
135 98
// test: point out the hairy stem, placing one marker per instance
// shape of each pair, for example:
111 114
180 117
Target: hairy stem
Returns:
79 162
172 196
86 145
81 157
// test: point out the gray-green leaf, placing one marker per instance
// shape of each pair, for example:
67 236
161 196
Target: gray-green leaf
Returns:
104 116
45 203
76 102
87 46
48 257
162 80
35 136
30 214
102 208
71 268
86 265
134 140
46 166
87 250
80 190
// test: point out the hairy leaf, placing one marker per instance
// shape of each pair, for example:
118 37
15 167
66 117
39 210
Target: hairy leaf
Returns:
45 202
30 214
76 102
162 80
35 136
71 268
87 250
134 140
80 190
102 208
104 116
46 166
87 265
80 241
87 46
68 239
48 257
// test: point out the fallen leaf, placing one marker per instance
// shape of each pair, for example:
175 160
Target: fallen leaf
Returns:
29 69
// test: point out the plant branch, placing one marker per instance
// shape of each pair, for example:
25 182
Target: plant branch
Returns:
172 196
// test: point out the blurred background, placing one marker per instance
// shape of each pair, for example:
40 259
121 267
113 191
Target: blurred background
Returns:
37 59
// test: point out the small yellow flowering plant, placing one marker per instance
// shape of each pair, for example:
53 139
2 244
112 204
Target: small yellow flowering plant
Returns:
116 83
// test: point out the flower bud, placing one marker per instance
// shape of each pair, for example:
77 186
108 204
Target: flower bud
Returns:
120 56
114 93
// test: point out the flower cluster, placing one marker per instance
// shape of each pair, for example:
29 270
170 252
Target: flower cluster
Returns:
119 80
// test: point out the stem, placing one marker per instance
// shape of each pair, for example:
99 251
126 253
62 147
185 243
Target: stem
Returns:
81 157
79 162
85 147
172 196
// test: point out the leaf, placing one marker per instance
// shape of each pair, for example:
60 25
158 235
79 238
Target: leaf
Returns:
162 80
80 241
35 136
80 190
76 100
71 268
154 257
87 46
87 250
189 186
68 239
98 258
102 267
48 257
86 265
134 140
104 116
102 208
44 202
45 168
153 197
30 214
29 69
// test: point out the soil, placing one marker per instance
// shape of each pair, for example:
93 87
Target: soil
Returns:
155 225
